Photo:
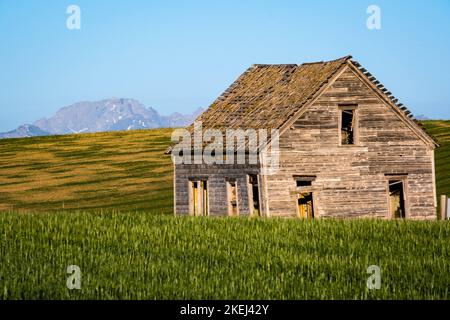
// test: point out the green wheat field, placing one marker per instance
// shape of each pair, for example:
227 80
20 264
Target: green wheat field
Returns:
103 202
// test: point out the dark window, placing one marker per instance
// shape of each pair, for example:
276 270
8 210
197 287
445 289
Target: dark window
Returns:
301 183
347 126
304 181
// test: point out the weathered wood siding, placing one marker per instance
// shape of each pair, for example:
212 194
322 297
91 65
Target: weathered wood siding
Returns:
217 176
351 180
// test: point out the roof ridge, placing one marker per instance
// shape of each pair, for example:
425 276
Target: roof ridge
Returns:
262 65
345 58
265 65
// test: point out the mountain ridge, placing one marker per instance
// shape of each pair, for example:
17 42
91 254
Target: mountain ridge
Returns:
114 114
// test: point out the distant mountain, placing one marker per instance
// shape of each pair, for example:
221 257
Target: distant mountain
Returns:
105 115
26 130
180 120
422 117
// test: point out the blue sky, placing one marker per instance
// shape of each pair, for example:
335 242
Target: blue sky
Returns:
180 55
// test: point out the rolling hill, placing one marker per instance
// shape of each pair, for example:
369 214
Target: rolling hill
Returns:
112 170
124 170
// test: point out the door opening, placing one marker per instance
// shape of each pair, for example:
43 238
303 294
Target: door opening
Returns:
305 205
205 203
232 198
253 190
397 199
199 198
195 197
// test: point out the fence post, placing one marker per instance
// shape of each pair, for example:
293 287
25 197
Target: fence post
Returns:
448 208
443 207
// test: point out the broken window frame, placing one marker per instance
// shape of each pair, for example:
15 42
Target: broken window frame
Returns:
355 124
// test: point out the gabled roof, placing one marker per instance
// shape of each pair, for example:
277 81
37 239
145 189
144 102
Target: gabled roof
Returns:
270 96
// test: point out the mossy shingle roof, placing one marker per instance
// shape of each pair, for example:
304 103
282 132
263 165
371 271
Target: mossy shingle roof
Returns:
265 96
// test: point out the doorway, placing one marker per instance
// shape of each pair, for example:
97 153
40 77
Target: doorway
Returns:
199 198
232 198
397 199
205 204
253 195
195 202
305 205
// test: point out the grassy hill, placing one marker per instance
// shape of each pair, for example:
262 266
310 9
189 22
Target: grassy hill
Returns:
115 170
441 131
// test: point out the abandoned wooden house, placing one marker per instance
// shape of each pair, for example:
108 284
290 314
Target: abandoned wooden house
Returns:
347 148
